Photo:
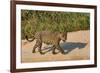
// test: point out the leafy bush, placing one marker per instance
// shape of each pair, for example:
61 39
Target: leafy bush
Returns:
34 21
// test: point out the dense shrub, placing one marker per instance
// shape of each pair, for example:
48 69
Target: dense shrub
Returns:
34 21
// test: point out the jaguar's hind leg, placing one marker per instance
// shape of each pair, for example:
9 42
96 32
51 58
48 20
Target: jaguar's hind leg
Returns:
40 49
37 44
34 48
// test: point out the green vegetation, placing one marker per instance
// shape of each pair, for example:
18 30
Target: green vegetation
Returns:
34 21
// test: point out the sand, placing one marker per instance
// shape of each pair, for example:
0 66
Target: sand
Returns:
77 47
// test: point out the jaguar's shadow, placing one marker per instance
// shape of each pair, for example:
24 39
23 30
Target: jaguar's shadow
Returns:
67 47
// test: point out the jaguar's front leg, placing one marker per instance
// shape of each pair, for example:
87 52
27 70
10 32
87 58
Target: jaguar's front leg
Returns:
61 50
54 50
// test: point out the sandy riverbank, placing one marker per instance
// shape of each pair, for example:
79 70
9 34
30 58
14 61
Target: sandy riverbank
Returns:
77 47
